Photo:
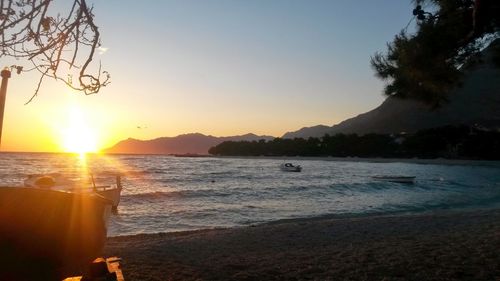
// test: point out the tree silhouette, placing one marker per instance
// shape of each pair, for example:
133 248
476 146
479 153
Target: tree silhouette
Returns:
57 46
426 65
454 142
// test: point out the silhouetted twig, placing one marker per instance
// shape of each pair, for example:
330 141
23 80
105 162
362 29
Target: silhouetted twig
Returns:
57 46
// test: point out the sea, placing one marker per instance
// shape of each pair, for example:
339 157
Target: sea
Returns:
168 194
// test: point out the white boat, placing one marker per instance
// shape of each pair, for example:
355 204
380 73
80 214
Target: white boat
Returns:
289 167
56 181
398 179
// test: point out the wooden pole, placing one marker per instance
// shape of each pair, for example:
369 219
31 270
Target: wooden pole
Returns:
3 92
118 181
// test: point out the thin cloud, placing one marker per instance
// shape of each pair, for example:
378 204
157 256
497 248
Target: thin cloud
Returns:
102 50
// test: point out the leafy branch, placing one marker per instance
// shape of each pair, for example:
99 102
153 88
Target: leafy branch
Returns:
429 64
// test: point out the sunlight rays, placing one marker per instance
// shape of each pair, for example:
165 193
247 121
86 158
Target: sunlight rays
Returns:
78 136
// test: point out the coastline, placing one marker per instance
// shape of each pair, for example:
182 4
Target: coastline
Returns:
436 161
439 245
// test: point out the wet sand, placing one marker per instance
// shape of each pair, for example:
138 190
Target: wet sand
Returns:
446 245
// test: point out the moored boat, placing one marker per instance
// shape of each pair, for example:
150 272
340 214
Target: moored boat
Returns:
289 167
56 181
398 179
45 233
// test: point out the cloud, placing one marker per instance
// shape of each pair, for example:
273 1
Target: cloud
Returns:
102 50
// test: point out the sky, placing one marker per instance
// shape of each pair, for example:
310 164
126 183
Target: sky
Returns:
217 67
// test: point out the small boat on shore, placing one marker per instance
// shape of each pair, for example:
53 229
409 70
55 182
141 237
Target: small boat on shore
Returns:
289 167
55 224
398 179
48 234
56 181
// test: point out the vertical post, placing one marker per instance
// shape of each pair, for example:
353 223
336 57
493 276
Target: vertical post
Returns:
93 182
3 92
118 182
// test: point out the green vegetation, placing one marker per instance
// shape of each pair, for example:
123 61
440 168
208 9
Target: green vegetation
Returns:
454 142
426 65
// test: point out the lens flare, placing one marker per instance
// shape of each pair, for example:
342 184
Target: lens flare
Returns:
78 137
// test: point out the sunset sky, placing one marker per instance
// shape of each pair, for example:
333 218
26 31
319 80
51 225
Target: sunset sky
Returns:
219 67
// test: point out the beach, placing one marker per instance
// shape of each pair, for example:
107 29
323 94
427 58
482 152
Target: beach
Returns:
438 245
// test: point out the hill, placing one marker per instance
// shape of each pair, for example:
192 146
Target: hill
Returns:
183 144
476 102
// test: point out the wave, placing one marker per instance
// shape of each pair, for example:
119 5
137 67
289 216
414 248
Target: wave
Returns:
455 204
177 194
156 171
347 188
28 160
271 192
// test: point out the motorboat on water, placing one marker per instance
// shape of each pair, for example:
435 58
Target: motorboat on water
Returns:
56 181
289 167
398 179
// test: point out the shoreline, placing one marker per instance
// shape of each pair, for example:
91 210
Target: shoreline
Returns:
443 245
437 161
332 216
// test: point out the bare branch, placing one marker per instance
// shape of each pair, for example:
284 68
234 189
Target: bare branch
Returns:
56 45
37 88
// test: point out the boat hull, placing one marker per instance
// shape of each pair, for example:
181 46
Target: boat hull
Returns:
112 194
56 181
288 167
295 169
397 179
44 232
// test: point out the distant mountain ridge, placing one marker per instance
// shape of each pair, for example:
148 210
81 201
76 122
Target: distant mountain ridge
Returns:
195 143
477 102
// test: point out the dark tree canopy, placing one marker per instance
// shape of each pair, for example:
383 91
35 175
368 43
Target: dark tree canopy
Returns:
453 142
57 46
426 65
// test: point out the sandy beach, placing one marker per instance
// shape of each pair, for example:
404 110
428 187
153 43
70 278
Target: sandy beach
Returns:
445 245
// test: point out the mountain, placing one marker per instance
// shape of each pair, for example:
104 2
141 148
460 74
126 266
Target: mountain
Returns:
476 102
182 144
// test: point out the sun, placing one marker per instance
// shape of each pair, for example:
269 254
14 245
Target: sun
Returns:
78 136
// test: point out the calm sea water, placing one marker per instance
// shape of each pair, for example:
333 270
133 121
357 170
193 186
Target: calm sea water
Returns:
163 193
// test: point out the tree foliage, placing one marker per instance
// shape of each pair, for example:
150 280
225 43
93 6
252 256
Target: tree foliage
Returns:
426 65
57 46
461 142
